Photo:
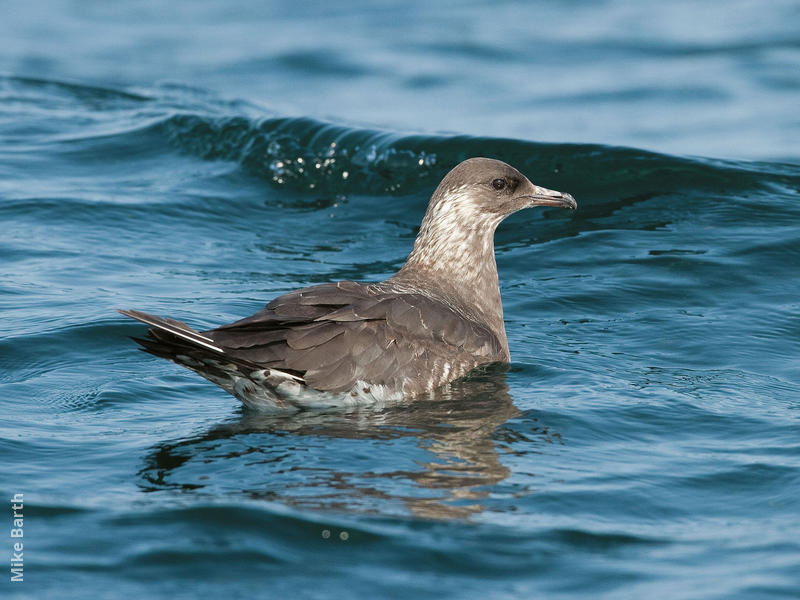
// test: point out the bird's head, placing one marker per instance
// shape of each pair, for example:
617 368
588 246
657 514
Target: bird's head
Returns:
491 189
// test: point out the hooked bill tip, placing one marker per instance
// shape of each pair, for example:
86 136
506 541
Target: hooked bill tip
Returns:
569 202
557 199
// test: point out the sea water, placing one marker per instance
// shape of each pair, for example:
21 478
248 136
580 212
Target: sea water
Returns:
196 159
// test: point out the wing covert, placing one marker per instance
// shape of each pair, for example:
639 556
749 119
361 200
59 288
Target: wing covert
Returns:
342 334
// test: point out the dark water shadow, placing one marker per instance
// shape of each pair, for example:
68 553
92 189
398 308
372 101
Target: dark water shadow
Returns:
434 458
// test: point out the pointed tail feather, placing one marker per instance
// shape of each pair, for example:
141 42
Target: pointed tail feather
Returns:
176 328
170 338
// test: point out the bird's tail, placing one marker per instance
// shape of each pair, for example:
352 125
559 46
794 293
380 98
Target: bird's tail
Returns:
253 384
168 336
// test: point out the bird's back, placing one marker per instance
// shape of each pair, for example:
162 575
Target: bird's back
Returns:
346 336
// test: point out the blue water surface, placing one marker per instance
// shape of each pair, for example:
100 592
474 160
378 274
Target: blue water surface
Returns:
196 159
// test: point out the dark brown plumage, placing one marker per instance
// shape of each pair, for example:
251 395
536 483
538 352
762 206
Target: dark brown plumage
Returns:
345 343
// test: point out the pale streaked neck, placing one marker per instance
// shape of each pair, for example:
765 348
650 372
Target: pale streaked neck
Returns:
453 257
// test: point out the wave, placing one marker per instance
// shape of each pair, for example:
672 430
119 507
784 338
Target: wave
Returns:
307 153
304 153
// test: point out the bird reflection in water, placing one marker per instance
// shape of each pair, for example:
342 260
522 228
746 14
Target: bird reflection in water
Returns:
436 458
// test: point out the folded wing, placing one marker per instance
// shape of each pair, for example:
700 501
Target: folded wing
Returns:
339 335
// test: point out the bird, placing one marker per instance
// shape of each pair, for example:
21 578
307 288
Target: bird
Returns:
346 343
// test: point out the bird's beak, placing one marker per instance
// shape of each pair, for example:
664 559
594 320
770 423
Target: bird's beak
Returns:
544 197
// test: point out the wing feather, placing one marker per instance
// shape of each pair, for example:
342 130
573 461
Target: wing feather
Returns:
336 335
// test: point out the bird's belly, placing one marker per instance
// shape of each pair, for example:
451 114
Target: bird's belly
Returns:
273 390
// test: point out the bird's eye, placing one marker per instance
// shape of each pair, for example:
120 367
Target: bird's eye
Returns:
499 184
